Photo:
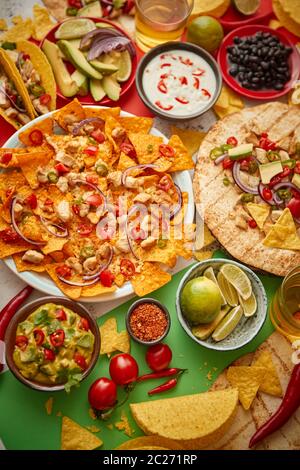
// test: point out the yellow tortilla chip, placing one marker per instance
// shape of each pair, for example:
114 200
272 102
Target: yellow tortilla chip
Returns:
54 244
201 255
42 22
22 29
191 139
136 124
45 126
271 383
49 405
25 266
122 342
259 212
292 8
96 289
71 113
75 437
102 113
179 217
214 8
274 24
70 291
124 425
285 19
164 164
152 277
284 233
146 146
247 380
125 162
3 24
108 333
10 249
29 163
183 159
165 255
228 102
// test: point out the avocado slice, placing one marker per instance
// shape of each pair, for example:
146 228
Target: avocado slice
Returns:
77 58
67 86
111 88
269 170
96 89
241 151
93 10
82 82
106 69
296 180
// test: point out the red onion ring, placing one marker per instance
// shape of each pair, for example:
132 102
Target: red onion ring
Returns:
240 184
95 188
46 224
219 159
94 120
16 228
179 204
141 167
103 267
261 188
92 35
130 212
21 110
286 184
77 284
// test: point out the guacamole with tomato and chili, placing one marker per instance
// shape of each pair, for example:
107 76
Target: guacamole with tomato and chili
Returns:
54 345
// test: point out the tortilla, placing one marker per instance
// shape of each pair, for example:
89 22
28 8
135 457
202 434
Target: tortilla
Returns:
75 437
216 202
149 442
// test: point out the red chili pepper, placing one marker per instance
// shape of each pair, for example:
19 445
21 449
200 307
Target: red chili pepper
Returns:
98 136
6 158
205 92
49 355
93 179
164 387
198 72
8 235
60 314
57 338
166 150
165 183
10 309
165 65
31 201
91 150
267 194
21 342
182 100
162 87
166 107
186 61
84 229
84 324
183 80
39 336
80 361
290 403
227 163
159 375
232 141
61 168
75 209
196 83
252 223
63 271
127 268
164 76
45 99
107 278
128 149
36 137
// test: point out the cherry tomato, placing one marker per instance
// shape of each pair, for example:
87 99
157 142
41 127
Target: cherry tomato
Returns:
60 314
6 158
98 136
164 107
75 3
232 141
297 168
102 394
63 271
31 201
93 179
127 268
49 355
8 235
21 342
123 369
94 200
80 360
182 100
45 99
128 149
166 150
84 324
227 163
91 150
75 209
294 206
57 338
165 183
107 278
36 137
84 229
295 193
162 87
39 336
267 194
61 168
252 223
158 357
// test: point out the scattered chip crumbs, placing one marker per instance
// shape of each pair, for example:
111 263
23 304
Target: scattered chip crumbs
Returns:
209 375
22 29
214 369
111 340
59 414
49 405
191 138
92 414
205 364
123 425
247 380
93 428
75 437
42 22
3 24
271 383
110 426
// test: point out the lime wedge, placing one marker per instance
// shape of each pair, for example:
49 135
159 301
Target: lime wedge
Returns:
122 61
209 273
228 324
249 306
247 7
74 29
238 279
205 330
228 291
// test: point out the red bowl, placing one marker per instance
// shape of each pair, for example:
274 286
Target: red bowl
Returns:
88 99
294 63
233 19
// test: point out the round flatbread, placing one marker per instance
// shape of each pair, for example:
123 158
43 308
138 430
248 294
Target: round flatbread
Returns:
216 202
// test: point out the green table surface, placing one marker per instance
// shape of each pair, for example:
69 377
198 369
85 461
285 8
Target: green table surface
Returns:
24 423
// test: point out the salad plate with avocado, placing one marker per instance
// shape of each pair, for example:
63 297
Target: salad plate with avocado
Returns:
91 59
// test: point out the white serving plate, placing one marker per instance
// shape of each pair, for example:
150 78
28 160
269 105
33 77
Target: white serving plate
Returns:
43 282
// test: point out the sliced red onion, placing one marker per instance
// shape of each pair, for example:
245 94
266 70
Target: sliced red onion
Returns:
21 110
129 239
261 188
77 284
286 184
103 267
47 224
179 204
94 187
241 185
87 40
219 159
136 167
16 228
104 45
92 120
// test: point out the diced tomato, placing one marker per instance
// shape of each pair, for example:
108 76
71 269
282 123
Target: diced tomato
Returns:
91 150
267 194
107 278
8 235
127 268
275 180
186 61
128 149
98 135
94 200
25 56
6 158
49 355
60 314
63 271
232 141
84 324
205 92
138 234
93 179
164 107
295 193
198 72
57 338
9 192
196 83
183 80
182 100
294 206
39 336
252 223
162 87
227 163
31 201
265 143
84 229
286 172
166 150
80 360
36 137
297 168
21 342
75 3
45 99
48 202
75 209
165 183
61 168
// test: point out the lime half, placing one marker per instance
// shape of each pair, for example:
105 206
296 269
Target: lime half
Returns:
228 324
209 273
238 279
228 290
122 61
249 306
247 7
74 29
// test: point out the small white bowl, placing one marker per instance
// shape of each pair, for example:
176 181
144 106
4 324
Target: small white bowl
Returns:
247 329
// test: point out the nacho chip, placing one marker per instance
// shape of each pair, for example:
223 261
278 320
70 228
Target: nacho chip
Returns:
22 29
124 425
183 159
42 22
96 289
25 266
45 126
54 244
247 380
108 333
228 102
292 8
164 164
271 383
165 255
190 138
146 146
179 217
70 291
10 249
284 233
29 163
259 212
49 405
125 162
202 255
152 277
122 342
285 19
274 24
3 24
75 437
70 114
136 124
102 113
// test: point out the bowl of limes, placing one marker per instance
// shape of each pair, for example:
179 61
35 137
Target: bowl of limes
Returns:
221 304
